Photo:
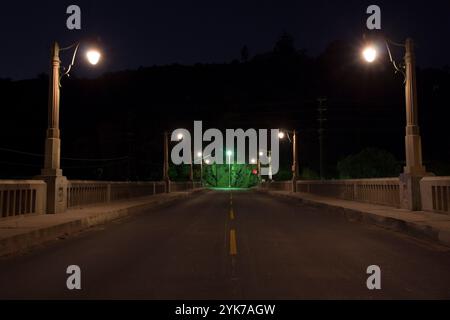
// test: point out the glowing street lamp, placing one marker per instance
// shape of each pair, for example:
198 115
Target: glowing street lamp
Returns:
370 54
93 56
414 170
229 154
52 172
200 156
294 168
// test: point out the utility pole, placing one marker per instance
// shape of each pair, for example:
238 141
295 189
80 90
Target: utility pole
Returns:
321 108
166 161
294 161
270 165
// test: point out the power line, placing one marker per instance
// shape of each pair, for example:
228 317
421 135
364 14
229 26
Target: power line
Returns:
62 158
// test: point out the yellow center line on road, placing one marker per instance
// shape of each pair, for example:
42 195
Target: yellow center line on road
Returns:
231 214
233 246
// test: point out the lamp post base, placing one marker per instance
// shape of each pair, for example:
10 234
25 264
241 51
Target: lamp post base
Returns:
294 185
410 194
56 190
167 181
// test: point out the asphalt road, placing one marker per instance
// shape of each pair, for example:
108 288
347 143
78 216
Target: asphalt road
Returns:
244 246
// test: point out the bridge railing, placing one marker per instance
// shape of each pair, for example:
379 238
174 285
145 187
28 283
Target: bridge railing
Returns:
81 192
435 194
384 191
21 197
277 185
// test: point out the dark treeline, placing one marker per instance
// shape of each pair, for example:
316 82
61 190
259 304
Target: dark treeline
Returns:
121 116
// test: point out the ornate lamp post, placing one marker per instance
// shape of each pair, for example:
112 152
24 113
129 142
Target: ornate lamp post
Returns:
414 171
52 173
294 167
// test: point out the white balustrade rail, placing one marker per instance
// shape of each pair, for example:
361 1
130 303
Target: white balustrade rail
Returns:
21 197
82 192
435 194
384 191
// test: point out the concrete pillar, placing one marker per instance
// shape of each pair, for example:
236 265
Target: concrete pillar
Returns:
414 170
166 162
413 146
294 162
52 173
108 193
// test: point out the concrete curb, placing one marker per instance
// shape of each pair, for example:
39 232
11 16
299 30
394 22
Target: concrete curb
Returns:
35 237
418 230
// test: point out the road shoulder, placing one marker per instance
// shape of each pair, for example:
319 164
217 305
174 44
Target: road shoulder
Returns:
419 224
25 232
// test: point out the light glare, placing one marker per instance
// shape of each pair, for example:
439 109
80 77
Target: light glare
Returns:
93 56
370 54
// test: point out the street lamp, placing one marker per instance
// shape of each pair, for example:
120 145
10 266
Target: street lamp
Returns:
180 137
259 165
294 168
93 56
370 54
414 170
229 154
166 162
200 155
52 173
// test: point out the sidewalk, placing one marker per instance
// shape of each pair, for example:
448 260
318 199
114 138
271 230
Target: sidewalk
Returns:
23 232
420 224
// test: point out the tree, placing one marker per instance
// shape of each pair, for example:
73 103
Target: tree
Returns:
369 163
285 45
244 54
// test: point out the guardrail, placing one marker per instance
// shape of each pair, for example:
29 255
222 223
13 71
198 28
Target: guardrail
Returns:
277 185
82 192
435 194
384 191
21 197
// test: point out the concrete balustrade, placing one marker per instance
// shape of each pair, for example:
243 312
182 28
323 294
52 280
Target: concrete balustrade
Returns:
82 192
91 192
277 185
21 197
184 186
87 192
435 194
384 191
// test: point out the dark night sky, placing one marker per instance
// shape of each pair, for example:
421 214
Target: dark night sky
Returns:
144 33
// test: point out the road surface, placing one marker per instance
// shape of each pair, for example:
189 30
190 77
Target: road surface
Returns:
239 245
